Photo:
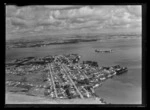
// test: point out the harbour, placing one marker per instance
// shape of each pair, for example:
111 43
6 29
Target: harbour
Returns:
123 54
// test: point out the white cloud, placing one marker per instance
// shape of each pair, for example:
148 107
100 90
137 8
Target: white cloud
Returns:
41 18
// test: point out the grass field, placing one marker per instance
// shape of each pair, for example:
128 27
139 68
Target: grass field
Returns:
12 98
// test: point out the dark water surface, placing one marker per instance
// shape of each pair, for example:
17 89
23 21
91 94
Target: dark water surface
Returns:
123 89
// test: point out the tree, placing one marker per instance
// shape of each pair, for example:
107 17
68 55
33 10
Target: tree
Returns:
23 79
44 77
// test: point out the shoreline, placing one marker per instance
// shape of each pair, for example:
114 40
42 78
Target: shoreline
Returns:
26 99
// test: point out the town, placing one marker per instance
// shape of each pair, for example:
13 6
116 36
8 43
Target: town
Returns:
57 76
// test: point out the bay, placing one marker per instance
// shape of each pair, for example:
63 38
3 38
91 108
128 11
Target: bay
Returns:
122 89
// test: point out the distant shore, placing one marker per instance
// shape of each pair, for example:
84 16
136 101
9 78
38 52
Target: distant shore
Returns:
47 42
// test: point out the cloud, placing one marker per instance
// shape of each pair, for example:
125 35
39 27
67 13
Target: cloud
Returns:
135 10
68 17
21 23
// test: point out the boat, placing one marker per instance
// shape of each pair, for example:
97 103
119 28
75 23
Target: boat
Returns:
103 51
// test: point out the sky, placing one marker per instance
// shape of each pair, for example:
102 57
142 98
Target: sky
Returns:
59 19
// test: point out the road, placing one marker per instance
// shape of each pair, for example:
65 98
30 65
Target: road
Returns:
68 75
52 79
83 74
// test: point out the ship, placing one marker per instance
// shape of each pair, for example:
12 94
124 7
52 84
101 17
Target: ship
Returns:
121 70
103 51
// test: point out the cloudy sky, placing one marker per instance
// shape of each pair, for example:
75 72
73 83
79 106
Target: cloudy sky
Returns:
60 19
